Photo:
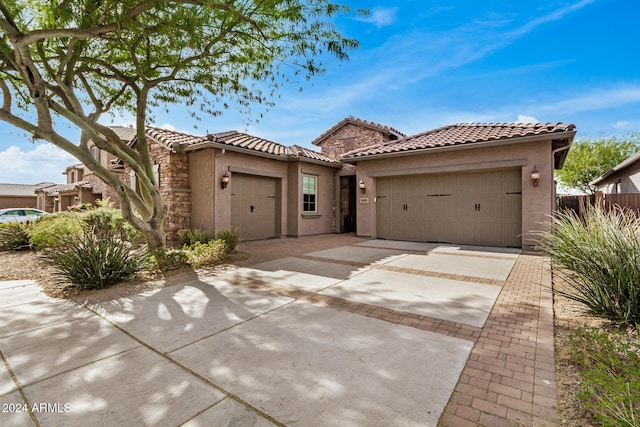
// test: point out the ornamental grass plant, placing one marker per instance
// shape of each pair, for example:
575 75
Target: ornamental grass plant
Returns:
598 256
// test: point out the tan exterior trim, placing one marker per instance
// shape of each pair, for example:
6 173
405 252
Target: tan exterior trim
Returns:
251 171
450 168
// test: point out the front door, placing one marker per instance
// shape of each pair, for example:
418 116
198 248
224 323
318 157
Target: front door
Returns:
348 204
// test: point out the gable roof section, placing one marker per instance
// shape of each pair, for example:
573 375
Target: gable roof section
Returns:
463 134
629 161
387 130
234 141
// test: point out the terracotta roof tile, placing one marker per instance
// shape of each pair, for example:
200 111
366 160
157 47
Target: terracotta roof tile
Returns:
172 139
298 151
242 140
459 134
54 189
356 121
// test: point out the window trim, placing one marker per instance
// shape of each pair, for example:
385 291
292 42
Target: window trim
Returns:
313 203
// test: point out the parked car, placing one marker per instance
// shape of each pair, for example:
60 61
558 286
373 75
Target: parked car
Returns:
20 215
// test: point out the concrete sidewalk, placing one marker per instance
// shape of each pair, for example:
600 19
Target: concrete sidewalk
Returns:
308 331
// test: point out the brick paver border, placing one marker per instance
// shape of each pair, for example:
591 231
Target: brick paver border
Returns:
509 378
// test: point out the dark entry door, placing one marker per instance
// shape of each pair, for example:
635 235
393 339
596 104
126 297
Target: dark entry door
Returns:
348 203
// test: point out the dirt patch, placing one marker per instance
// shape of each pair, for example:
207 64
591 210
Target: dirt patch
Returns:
32 265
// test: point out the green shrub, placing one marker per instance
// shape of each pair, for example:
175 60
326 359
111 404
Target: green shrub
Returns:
96 259
599 258
610 365
201 254
51 230
230 238
192 235
161 259
14 236
110 220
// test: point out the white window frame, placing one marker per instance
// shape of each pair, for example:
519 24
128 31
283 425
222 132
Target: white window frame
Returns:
314 203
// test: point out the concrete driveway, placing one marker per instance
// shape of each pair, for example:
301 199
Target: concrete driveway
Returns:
345 333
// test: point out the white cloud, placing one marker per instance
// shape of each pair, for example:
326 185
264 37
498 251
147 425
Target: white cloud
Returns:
168 126
597 100
621 124
381 16
522 118
45 162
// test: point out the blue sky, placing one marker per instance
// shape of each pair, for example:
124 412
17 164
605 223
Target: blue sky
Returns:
423 64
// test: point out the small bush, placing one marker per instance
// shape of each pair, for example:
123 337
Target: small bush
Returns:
193 235
599 258
50 231
230 237
201 254
96 259
14 236
110 220
611 374
161 259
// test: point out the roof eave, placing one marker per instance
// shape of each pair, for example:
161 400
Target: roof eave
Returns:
568 135
617 168
221 146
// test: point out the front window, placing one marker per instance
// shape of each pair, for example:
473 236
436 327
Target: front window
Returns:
309 190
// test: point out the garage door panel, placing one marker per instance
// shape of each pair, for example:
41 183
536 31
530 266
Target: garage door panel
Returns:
253 206
480 208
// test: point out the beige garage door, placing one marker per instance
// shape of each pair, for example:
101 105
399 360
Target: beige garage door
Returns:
253 206
476 208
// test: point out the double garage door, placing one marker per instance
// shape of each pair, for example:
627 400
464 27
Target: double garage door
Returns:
253 206
475 208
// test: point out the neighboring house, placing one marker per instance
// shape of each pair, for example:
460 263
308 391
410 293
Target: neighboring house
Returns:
82 186
20 195
623 178
482 184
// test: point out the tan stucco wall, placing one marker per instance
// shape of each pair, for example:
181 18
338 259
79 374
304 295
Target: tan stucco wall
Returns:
629 181
202 180
18 202
309 223
537 202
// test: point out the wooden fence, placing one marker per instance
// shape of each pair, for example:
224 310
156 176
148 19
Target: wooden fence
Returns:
578 204
626 201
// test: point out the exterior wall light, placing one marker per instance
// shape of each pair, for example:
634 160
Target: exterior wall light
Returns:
225 180
535 176
363 188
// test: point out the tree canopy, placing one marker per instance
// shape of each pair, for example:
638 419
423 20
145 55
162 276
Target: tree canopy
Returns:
591 157
72 61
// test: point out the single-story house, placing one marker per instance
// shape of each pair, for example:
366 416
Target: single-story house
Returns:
20 195
621 179
481 184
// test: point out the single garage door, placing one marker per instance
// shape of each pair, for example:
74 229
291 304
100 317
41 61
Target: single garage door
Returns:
253 206
476 208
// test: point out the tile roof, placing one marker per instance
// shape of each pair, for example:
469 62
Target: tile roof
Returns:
21 190
63 188
177 141
460 134
359 122
242 140
297 151
172 139
124 133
